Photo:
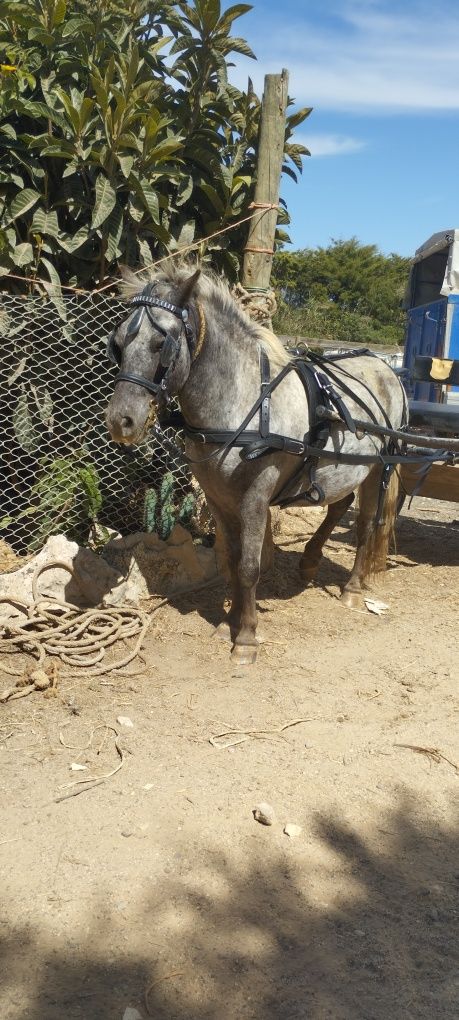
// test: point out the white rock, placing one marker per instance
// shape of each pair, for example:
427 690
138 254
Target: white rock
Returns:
128 570
95 576
149 566
264 813
131 1013
292 830
374 606
124 720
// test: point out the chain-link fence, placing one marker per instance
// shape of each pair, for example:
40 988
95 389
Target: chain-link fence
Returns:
59 472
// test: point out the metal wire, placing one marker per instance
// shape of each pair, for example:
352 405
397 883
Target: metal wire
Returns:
56 457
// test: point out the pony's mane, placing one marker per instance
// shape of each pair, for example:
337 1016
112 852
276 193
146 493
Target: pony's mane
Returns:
211 290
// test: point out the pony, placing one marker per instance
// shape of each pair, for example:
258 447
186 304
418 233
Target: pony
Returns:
263 427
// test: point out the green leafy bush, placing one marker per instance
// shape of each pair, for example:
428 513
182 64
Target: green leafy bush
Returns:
66 496
121 137
346 292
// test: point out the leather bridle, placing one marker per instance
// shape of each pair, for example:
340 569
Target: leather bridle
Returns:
170 348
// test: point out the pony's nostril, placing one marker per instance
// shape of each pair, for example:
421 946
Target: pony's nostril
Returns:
127 422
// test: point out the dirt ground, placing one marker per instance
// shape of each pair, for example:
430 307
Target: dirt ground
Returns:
157 889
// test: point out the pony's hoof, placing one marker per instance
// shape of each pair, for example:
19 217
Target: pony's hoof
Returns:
352 600
308 575
223 631
244 655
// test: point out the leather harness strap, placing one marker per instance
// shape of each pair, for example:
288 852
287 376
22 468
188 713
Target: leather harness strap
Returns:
266 394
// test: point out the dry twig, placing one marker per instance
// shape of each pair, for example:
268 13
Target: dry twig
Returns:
88 783
248 734
431 752
148 991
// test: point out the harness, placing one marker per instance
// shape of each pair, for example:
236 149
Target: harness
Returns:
326 408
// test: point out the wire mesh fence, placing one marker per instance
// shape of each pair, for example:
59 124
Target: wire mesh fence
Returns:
59 471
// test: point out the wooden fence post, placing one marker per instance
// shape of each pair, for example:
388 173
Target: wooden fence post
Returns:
258 253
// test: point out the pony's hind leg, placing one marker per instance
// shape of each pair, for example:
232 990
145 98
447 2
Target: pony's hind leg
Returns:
310 560
373 538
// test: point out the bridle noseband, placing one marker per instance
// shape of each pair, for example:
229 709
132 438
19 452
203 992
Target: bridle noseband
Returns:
169 349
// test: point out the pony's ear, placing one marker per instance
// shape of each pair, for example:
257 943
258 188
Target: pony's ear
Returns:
130 283
187 287
128 275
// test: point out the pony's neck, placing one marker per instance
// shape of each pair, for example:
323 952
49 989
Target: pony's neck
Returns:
224 379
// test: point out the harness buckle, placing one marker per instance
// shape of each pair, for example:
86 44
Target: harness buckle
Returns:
295 446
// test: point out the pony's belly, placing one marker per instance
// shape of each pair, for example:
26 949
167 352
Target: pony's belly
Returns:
327 485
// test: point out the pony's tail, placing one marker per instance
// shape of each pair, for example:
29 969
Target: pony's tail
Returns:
382 535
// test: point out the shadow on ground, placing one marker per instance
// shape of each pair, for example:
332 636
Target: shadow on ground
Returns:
253 942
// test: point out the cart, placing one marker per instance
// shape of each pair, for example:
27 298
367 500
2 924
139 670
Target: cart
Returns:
430 370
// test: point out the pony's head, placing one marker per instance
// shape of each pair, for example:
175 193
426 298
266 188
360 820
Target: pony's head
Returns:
153 347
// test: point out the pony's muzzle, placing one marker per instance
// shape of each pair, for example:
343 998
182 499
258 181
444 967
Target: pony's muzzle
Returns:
123 428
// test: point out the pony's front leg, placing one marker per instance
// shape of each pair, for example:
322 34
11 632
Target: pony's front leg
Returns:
229 530
253 529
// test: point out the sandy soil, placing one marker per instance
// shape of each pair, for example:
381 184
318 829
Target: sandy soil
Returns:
157 889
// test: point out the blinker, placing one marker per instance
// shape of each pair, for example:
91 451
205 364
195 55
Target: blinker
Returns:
135 324
113 352
169 350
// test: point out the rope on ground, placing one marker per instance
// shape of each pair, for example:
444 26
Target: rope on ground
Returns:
80 638
77 637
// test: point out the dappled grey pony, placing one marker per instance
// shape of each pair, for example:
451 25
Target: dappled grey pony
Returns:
262 426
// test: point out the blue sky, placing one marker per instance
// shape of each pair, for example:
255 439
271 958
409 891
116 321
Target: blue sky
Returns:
383 78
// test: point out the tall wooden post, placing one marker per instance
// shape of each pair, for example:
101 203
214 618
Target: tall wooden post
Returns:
258 254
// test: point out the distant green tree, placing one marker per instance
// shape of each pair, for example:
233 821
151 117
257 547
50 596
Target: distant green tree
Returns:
347 291
121 137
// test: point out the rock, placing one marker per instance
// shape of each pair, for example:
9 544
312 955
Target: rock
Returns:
131 1013
264 813
152 567
40 679
95 576
292 830
374 606
138 831
128 570
124 720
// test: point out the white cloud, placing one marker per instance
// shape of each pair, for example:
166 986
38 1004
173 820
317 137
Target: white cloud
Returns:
330 145
364 57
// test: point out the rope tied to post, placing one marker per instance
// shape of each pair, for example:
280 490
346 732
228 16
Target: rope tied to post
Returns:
259 305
